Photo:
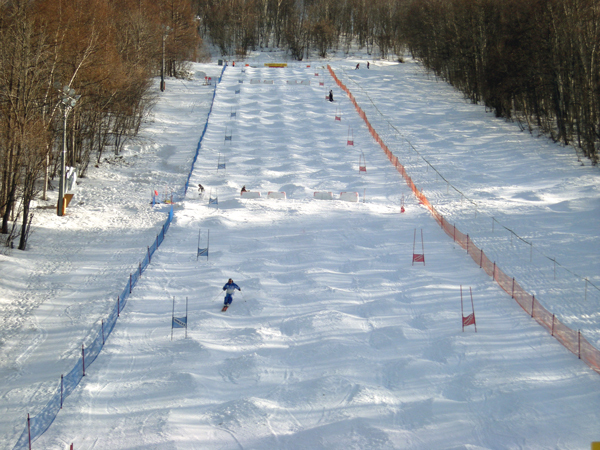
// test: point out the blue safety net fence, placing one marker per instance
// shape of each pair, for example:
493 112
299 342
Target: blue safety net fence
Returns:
181 194
38 424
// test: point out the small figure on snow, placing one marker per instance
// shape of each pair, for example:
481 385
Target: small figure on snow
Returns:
330 95
230 287
357 66
368 64
243 190
200 189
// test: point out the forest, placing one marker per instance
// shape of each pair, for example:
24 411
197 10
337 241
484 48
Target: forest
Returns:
77 72
89 65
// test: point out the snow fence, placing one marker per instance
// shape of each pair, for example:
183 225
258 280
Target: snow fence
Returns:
573 340
181 195
38 424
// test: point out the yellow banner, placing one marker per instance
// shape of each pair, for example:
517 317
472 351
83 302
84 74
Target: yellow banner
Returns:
275 65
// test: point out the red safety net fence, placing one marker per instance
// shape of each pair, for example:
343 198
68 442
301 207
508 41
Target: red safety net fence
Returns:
573 340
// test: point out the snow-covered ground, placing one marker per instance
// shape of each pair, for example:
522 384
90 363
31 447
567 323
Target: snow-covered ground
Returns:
336 340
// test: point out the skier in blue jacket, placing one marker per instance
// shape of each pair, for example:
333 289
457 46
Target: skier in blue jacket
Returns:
230 287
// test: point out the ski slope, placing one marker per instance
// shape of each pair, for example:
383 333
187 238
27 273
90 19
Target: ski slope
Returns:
336 341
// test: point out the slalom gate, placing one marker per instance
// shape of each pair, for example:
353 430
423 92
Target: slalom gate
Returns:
573 340
38 424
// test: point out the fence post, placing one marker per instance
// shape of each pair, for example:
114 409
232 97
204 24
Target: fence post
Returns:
579 344
130 283
467 242
552 333
513 288
481 259
118 305
61 390
103 333
454 236
494 272
83 359
29 430
149 257
140 269
532 303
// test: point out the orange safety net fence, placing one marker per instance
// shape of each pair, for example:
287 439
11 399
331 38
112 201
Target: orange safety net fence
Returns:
573 340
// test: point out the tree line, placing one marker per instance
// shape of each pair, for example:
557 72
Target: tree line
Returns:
534 61
303 27
107 51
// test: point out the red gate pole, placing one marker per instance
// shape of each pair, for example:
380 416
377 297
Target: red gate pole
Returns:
414 240
462 313
473 309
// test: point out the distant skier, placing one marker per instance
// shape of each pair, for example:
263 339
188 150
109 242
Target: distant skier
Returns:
230 287
243 190
368 64
330 95
200 189
357 66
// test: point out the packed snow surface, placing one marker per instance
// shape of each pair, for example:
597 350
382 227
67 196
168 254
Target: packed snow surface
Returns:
337 340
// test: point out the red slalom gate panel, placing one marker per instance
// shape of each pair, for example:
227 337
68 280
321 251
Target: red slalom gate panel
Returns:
469 320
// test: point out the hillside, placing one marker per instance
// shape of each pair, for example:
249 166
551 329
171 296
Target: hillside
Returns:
337 340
